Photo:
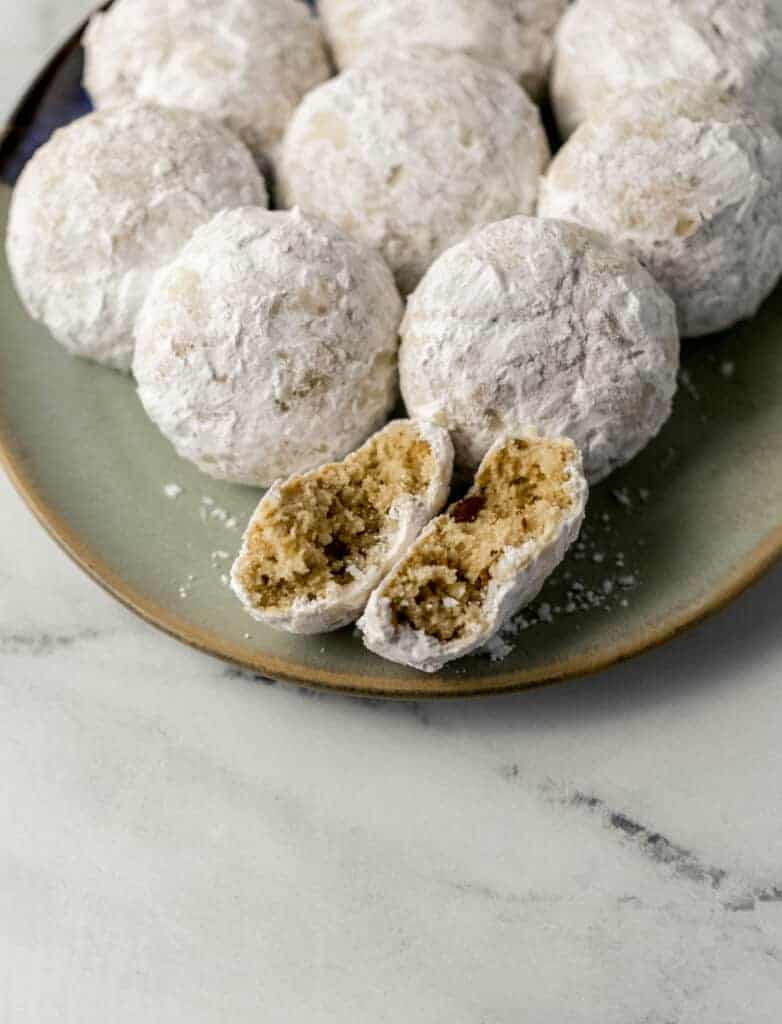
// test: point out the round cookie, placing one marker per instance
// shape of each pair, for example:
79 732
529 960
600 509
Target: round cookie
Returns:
540 326
691 184
106 202
604 48
268 347
517 35
244 62
410 152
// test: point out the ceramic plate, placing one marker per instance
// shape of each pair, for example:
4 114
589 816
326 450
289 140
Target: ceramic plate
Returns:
669 539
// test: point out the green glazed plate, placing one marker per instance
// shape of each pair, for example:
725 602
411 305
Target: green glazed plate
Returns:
668 540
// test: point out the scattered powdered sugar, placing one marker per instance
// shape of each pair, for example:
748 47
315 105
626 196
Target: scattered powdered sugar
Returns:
727 368
210 510
210 513
686 382
622 496
187 586
497 648
595 577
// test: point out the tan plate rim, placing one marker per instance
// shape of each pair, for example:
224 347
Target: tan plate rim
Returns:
757 563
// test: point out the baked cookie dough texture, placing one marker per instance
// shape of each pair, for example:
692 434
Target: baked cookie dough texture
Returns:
604 48
540 326
411 152
104 204
516 35
319 543
485 558
245 62
689 182
268 346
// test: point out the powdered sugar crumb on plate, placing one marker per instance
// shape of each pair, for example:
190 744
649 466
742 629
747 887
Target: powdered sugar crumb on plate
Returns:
594 578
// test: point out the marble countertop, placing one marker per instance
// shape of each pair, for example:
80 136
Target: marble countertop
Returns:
182 842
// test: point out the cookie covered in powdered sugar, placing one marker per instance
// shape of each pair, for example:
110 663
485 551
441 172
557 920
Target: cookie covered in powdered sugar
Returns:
604 48
690 183
106 202
484 559
541 326
517 35
268 346
410 152
318 544
244 62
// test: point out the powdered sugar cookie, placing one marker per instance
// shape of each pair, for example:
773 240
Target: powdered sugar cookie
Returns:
410 152
268 346
516 35
541 326
106 202
318 544
485 558
244 62
604 48
691 184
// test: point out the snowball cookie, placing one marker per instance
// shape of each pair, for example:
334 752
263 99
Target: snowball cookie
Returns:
411 152
246 62
604 48
539 326
268 346
106 202
689 182
475 566
318 544
516 35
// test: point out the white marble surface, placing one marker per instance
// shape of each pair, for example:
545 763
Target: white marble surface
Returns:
182 843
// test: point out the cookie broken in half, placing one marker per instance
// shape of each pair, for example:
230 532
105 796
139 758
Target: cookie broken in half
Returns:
483 559
320 542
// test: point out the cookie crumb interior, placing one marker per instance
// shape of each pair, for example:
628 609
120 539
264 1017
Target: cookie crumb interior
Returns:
326 527
519 494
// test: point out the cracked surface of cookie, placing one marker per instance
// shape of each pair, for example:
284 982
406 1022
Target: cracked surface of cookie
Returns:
105 203
604 48
269 345
541 326
410 152
319 543
516 35
482 560
688 181
244 62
